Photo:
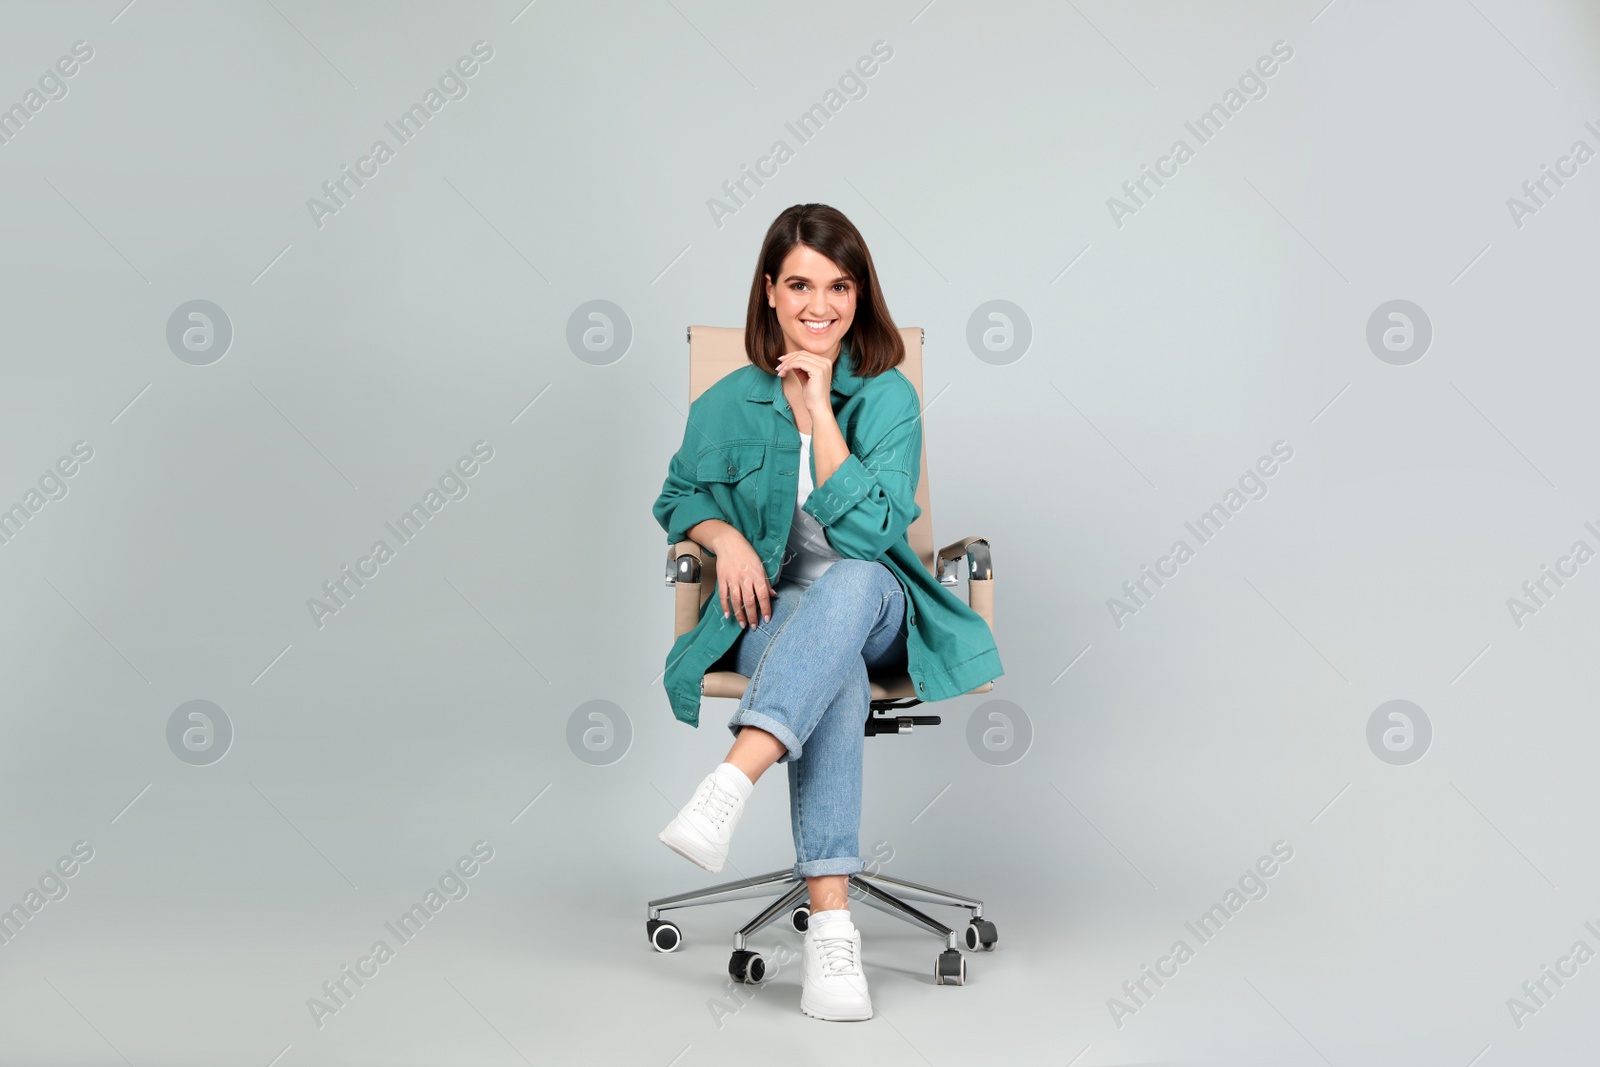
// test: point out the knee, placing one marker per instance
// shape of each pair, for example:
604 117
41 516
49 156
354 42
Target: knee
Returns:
863 573
859 581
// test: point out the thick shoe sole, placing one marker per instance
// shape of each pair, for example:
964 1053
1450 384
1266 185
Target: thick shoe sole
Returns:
691 848
834 1017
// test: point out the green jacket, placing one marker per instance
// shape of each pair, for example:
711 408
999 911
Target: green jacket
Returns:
739 462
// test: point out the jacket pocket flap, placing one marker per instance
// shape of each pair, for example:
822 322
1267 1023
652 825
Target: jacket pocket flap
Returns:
729 463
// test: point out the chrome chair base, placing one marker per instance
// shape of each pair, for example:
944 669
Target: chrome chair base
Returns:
877 890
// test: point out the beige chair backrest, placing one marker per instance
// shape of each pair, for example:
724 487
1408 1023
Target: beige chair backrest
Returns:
717 350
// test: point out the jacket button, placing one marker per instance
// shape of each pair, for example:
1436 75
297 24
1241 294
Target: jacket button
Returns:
923 686
731 468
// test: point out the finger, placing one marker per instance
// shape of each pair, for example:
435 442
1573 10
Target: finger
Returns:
722 594
764 593
751 612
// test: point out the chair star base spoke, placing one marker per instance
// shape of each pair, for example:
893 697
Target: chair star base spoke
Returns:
886 894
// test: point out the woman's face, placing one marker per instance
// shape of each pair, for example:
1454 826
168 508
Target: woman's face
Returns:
811 290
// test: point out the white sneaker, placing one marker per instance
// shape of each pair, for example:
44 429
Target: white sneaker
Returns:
833 985
701 830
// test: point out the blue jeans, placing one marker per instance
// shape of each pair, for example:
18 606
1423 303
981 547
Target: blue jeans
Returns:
808 671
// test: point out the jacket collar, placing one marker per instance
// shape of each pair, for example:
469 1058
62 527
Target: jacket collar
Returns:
767 388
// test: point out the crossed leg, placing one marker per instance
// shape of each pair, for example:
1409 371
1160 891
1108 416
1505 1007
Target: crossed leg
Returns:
807 705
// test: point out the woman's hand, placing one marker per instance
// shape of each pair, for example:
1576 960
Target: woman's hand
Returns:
742 580
815 374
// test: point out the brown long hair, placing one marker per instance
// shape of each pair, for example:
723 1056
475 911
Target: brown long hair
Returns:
875 344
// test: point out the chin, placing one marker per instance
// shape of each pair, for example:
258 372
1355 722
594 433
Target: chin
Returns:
811 343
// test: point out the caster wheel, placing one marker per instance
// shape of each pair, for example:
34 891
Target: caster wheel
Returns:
664 936
800 918
747 967
981 934
950 968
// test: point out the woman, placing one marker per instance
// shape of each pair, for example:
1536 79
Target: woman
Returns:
803 468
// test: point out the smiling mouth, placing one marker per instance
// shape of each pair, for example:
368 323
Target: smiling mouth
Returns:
813 326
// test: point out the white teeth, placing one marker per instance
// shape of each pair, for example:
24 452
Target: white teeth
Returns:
811 323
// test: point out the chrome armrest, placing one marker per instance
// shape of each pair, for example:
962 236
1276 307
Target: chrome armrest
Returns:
693 578
683 562
976 549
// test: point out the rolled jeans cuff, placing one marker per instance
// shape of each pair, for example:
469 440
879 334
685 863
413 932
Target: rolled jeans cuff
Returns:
775 727
831 865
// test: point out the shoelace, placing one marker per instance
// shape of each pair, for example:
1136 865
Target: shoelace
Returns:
718 803
837 954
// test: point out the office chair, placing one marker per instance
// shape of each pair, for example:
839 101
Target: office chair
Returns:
713 352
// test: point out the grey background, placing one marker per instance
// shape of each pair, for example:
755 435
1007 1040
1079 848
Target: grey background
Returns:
1167 355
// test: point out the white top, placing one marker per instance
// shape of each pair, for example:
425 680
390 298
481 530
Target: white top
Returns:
808 553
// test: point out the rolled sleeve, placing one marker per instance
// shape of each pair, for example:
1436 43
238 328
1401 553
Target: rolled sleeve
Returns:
848 486
691 510
866 505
